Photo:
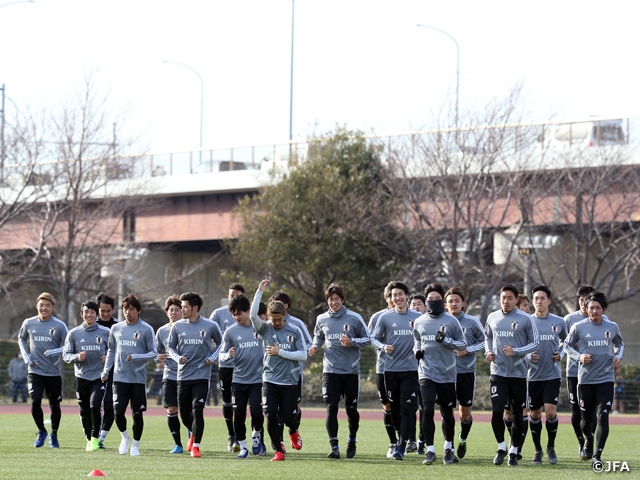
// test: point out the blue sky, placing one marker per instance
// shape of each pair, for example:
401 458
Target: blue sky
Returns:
360 63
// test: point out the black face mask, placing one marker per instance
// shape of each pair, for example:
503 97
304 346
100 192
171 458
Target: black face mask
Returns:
435 308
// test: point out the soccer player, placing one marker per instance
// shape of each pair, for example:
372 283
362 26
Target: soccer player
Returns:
465 362
597 345
45 335
86 347
106 306
545 373
510 334
244 345
173 309
395 329
437 334
284 348
572 365
382 392
418 302
523 303
132 344
224 319
343 333
190 346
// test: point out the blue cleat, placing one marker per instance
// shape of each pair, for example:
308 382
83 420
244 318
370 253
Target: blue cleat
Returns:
244 453
53 441
176 449
40 439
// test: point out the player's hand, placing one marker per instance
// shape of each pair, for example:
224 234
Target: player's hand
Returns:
345 341
162 357
129 358
264 284
388 349
207 361
585 359
616 362
183 360
47 353
82 356
104 359
535 357
440 337
556 357
232 352
508 351
490 357
461 353
104 378
273 350
313 350
419 354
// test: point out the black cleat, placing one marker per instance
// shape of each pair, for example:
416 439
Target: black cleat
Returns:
430 458
513 460
537 458
335 452
421 448
351 449
449 457
499 458
587 451
462 449
412 447
551 455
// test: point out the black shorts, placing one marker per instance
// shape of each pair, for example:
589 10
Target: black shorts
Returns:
280 399
544 391
170 393
466 388
129 393
508 391
444 394
337 385
572 388
38 385
192 394
592 396
246 393
382 390
226 377
90 393
402 387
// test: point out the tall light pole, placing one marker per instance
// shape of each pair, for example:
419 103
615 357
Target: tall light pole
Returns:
293 4
457 63
201 97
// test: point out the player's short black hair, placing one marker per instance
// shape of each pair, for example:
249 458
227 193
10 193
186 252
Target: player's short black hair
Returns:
398 284
237 286
419 296
239 303
262 309
334 288
599 297
104 298
172 300
455 290
541 288
193 298
584 290
132 301
281 296
434 287
510 287
91 305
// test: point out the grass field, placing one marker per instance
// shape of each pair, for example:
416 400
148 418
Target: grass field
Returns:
19 460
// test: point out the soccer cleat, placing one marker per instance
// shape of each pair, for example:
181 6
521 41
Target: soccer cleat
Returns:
235 447
88 447
462 449
399 453
94 444
263 451
335 452
596 463
53 441
244 453
231 442
124 446
392 448
256 443
537 458
499 458
421 448
296 440
195 452
284 450
351 449
551 455
190 442
135 451
587 451
101 445
429 458
278 457
513 460
412 447
177 449
449 457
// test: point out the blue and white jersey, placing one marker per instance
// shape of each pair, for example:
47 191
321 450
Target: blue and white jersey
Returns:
551 332
44 349
93 341
195 341
474 336
247 344
396 329
170 371
135 339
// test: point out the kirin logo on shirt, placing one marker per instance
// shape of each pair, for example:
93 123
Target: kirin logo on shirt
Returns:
136 335
290 338
514 325
202 333
607 334
554 328
345 327
52 332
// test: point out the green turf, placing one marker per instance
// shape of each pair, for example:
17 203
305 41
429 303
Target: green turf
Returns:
19 460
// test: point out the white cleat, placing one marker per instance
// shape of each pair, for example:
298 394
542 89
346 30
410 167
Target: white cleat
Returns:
134 451
124 446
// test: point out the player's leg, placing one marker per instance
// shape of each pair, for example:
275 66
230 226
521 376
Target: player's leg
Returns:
588 404
83 395
499 391
576 414
331 394
36 391
408 387
604 400
550 396
138 406
535 418
271 397
447 399
351 389
121 397
257 419
226 377
428 393
239 400
518 401
53 387
108 415
465 394
199 390
96 396
289 413
170 398
387 419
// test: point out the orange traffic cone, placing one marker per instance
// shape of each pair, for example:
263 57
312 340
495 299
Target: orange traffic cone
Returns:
96 473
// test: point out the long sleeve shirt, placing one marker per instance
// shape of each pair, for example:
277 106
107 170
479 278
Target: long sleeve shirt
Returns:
600 340
569 321
329 329
247 344
517 330
396 329
284 368
474 336
170 371
373 321
135 339
195 341
41 344
222 316
551 332
93 341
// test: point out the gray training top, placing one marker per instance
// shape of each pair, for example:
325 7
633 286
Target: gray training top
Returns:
551 332
194 340
170 365
396 329
284 368
381 354
222 316
93 340
247 367
474 336
439 361
601 341
569 321
517 330
46 339
136 339
330 327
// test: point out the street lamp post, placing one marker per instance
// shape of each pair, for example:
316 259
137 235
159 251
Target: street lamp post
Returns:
457 63
201 97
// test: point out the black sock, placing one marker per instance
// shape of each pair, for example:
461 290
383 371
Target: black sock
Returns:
465 428
536 431
174 427
552 431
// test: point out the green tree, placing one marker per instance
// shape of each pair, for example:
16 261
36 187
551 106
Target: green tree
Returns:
330 217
